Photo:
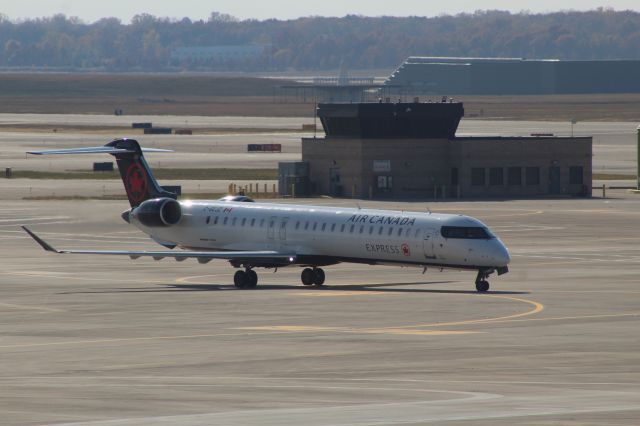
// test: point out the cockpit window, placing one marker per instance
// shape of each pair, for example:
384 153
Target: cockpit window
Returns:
466 232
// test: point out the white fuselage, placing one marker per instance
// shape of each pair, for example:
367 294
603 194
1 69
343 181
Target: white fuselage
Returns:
314 233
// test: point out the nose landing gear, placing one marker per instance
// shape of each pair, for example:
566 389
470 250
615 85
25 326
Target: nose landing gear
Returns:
482 285
312 276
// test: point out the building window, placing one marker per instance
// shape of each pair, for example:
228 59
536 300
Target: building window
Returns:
496 176
514 176
532 175
477 176
385 182
575 175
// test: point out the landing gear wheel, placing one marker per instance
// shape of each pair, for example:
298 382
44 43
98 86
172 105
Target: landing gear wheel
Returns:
482 286
318 276
240 279
252 279
307 276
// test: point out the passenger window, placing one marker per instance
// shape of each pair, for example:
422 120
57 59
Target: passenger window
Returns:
253 222
390 231
315 225
244 220
361 229
215 220
399 232
370 230
380 230
226 219
324 225
351 229
333 227
342 227
233 222
298 225
306 225
261 223
208 219
271 223
417 233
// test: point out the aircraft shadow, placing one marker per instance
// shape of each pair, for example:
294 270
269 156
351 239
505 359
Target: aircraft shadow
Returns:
375 288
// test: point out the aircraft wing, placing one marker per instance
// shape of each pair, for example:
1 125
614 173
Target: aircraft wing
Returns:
259 256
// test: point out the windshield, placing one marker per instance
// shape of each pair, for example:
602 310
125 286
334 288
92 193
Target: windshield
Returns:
466 232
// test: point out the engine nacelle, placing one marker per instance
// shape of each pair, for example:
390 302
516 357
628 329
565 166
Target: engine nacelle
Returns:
158 212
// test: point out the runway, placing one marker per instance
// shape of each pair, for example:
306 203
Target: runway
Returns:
95 341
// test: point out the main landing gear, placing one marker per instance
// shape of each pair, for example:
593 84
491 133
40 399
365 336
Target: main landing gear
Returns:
482 285
245 279
312 276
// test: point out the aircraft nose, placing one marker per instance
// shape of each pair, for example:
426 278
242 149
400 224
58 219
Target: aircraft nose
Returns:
501 254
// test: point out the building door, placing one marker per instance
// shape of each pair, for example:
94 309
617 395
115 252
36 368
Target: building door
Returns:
427 243
554 180
335 185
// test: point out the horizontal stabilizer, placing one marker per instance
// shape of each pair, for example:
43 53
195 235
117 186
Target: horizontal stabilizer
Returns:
95 150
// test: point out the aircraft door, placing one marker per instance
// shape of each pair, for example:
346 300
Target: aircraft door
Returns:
283 228
271 227
427 243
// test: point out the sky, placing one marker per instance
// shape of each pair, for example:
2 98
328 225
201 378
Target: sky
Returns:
90 10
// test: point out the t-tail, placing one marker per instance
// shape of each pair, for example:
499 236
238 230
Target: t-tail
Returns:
138 180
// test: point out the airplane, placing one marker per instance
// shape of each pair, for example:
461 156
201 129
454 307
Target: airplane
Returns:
251 235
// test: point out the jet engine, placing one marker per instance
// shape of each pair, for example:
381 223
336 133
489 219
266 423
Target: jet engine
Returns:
158 212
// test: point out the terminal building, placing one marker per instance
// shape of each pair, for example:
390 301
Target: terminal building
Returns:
409 150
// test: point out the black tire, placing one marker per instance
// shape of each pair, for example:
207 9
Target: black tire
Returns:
318 276
307 276
240 279
252 279
482 286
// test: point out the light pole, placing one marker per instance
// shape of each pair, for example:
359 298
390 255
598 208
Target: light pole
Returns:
638 165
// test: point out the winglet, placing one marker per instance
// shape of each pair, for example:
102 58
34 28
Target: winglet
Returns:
40 241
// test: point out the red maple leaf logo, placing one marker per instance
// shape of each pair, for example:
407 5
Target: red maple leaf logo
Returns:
136 183
405 250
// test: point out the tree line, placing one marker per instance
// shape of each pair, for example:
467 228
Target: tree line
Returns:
314 43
